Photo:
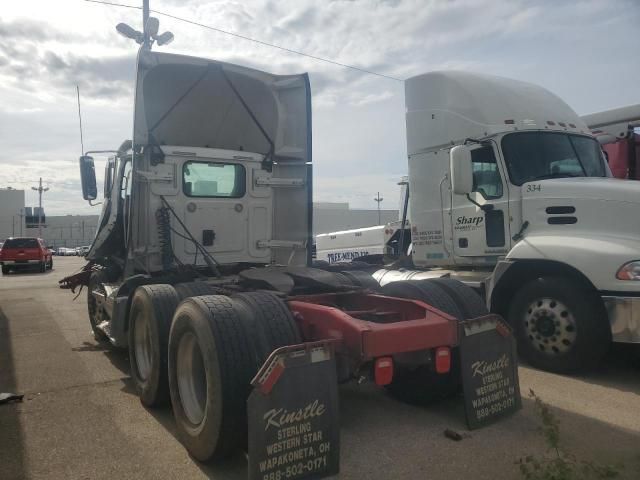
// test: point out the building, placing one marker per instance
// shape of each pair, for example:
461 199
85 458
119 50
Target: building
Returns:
11 213
66 230
332 217
77 230
17 220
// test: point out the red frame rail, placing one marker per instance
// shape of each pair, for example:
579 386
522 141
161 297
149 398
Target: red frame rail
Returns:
369 326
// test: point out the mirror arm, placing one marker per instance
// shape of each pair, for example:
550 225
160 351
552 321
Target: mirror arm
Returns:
487 207
94 204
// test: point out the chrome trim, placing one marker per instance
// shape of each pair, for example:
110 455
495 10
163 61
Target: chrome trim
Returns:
624 316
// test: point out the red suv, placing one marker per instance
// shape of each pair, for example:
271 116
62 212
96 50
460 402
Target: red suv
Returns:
25 252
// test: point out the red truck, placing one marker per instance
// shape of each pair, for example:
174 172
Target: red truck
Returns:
616 131
25 252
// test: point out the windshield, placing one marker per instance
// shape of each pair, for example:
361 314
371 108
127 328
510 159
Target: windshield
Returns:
538 155
21 243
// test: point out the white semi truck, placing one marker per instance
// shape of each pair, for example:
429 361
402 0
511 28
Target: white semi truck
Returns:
510 193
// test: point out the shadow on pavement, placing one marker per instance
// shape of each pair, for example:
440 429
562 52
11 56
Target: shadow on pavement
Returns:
11 441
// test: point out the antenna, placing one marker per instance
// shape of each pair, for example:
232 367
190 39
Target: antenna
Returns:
80 118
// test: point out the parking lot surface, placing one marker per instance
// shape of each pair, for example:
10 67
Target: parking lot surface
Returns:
80 417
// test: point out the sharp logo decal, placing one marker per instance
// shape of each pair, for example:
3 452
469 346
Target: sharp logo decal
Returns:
475 221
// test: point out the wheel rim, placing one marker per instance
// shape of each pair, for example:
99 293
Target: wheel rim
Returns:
550 326
192 378
142 345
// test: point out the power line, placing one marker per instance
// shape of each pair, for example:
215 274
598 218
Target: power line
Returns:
237 35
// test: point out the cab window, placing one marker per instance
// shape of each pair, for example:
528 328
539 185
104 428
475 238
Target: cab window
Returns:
486 177
213 179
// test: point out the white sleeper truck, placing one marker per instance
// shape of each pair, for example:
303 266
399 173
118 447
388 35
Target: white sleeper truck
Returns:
510 193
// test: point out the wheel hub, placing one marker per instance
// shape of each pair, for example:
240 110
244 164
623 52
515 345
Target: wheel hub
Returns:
550 326
191 378
142 345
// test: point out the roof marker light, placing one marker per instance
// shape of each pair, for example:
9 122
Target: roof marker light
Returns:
562 124
549 122
509 122
572 125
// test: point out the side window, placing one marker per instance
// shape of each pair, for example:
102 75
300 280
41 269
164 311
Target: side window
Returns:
213 179
125 186
486 177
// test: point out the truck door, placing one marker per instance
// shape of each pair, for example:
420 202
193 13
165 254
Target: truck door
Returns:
477 232
224 212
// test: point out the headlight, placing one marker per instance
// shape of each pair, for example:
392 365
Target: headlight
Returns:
629 271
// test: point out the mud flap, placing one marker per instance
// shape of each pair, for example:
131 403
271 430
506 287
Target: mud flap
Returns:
294 429
489 368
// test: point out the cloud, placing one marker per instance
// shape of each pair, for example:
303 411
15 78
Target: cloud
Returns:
579 50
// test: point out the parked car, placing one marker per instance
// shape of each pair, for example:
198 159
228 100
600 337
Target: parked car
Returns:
82 251
25 252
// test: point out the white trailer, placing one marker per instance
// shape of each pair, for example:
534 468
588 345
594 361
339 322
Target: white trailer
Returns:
360 243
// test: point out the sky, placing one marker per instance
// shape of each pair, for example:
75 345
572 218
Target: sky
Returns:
585 51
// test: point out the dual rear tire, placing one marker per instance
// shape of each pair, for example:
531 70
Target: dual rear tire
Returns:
203 358
216 346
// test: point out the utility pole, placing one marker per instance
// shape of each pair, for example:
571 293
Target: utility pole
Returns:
21 216
40 191
146 43
379 199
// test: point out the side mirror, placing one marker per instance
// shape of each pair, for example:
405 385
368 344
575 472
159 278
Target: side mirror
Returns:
461 170
88 178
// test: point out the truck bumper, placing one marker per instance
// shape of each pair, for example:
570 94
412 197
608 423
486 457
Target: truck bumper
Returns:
624 317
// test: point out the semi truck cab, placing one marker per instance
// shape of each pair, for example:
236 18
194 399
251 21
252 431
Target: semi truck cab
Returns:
508 187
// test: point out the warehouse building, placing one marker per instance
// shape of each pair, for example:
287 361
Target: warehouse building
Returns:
76 230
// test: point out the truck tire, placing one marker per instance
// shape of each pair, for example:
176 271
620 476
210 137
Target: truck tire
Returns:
269 323
422 385
150 315
96 311
471 304
210 366
5 270
362 279
50 267
42 266
560 327
429 293
193 289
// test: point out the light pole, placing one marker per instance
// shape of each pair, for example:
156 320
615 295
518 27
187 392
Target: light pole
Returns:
379 199
149 33
40 191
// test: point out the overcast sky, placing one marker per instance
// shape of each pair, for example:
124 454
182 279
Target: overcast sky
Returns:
584 51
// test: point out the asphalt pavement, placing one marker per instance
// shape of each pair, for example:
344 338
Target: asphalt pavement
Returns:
80 417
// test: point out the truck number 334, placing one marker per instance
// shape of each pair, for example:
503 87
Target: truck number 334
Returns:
536 187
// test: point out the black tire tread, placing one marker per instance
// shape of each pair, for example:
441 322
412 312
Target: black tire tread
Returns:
273 319
163 300
236 371
429 293
193 289
471 304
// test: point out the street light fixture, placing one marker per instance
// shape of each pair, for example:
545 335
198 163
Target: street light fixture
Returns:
149 35
164 38
129 32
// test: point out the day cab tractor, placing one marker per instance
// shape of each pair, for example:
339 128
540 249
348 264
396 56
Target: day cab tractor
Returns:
200 262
